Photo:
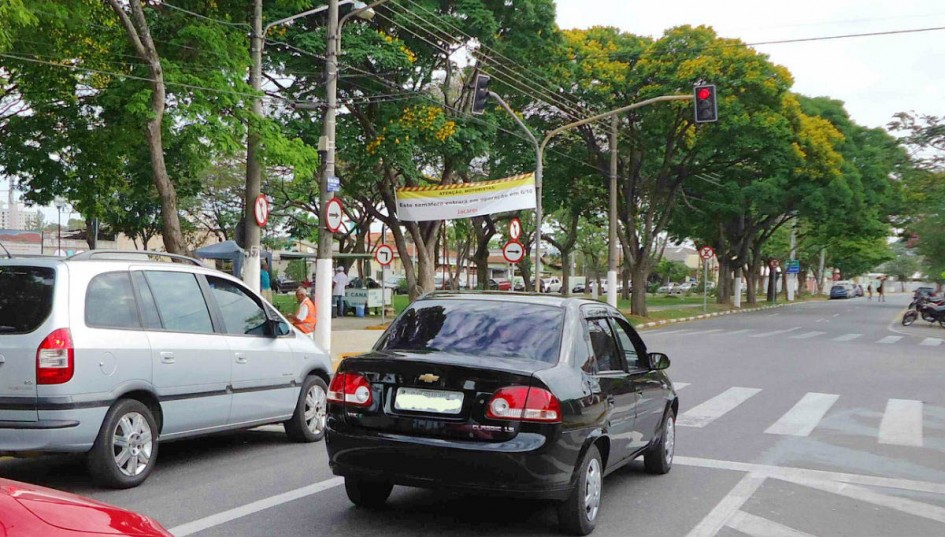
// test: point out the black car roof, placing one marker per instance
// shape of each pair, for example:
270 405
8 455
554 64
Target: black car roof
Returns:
507 296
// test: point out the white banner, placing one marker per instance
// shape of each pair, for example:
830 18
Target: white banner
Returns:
449 202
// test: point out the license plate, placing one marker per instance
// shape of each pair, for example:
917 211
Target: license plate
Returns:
436 401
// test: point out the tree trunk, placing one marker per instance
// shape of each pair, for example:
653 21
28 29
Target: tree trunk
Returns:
566 272
638 295
723 292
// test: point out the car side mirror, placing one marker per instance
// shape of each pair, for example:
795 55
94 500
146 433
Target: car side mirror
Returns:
658 361
276 328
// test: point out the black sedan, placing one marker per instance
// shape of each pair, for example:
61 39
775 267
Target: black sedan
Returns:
529 396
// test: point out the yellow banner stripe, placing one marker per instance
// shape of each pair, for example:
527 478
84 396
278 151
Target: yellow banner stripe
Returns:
458 186
464 189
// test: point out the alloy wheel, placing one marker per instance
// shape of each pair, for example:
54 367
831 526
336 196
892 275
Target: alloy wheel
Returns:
316 406
592 489
669 442
132 444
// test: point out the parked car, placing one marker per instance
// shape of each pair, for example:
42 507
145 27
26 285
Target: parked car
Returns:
105 352
533 405
681 289
551 285
579 288
842 290
286 285
28 510
668 288
498 284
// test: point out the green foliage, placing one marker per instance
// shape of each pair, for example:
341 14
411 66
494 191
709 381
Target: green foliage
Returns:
671 271
297 270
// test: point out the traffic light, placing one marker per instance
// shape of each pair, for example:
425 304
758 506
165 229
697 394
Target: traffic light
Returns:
480 93
707 109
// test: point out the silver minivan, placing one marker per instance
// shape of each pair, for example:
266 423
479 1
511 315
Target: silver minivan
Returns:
106 353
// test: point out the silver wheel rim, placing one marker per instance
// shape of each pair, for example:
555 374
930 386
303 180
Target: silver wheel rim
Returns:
669 444
592 486
316 405
132 444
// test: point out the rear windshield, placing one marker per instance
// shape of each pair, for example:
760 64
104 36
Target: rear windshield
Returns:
25 298
479 327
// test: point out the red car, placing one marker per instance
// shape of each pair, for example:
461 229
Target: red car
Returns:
31 511
497 284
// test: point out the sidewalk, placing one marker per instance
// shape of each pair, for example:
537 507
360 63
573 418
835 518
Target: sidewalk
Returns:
353 335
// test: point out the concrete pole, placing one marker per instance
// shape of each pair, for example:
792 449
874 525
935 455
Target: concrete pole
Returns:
538 218
323 271
737 291
612 246
253 168
792 278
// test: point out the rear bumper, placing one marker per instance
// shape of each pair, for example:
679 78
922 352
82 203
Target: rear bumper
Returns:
523 467
70 431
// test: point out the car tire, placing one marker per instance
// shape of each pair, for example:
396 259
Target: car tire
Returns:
658 458
578 514
128 435
307 423
367 493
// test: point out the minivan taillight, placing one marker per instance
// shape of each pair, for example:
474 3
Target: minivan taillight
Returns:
350 388
523 403
55 358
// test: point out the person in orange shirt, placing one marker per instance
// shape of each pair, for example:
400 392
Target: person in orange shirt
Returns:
304 318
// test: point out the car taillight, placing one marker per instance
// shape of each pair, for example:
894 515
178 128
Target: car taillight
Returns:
350 388
55 358
523 403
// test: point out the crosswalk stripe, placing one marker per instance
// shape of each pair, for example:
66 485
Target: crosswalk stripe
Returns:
805 415
847 337
680 385
776 332
931 342
808 335
902 423
756 526
889 339
711 410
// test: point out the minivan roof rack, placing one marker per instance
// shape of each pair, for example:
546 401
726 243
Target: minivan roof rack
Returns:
122 254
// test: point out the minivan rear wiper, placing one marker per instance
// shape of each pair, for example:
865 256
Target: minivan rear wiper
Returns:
7 329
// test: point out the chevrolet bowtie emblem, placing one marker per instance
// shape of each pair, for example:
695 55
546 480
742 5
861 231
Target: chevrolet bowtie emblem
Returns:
429 377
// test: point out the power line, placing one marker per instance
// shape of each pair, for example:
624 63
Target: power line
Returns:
218 21
845 36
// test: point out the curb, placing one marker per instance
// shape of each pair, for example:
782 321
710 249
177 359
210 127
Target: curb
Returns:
714 314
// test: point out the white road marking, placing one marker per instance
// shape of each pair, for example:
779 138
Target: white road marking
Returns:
742 331
847 337
705 331
836 314
931 342
808 335
730 504
889 340
244 510
755 526
787 473
774 315
680 385
776 332
711 410
662 332
912 507
902 423
805 415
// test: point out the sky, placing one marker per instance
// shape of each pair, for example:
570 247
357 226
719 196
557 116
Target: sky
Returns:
875 76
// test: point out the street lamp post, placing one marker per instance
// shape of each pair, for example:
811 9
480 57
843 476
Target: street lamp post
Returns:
60 204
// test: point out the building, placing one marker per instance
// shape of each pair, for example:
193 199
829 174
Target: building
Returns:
13 215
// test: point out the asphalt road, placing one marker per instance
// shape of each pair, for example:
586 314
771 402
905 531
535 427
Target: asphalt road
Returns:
819 419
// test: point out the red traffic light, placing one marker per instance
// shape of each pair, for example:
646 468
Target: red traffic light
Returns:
704 93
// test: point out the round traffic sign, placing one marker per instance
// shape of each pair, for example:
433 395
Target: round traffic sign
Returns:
384 255
261 210
706 252
515 229
333 214
513 251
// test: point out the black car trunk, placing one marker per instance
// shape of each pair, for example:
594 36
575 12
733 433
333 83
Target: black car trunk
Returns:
437 395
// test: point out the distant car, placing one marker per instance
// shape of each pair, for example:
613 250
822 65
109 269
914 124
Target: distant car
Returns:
551 285
668 288
286 285
524 405
32 510
394 282
681 289
842 291
498 284
579 288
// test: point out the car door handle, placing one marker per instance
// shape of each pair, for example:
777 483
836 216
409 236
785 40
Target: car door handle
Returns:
167 357
241 358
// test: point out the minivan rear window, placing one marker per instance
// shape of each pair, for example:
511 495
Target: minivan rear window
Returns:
25 297
479 327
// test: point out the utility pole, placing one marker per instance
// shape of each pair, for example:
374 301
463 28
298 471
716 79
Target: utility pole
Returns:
253 168
323 272
612 247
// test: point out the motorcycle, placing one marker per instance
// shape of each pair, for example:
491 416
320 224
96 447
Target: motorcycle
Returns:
931 311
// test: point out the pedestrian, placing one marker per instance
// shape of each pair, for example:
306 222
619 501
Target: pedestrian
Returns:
880 291
339 282
304 317
265 281
869 291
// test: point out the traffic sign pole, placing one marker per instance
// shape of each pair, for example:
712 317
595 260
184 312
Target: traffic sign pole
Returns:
705 286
